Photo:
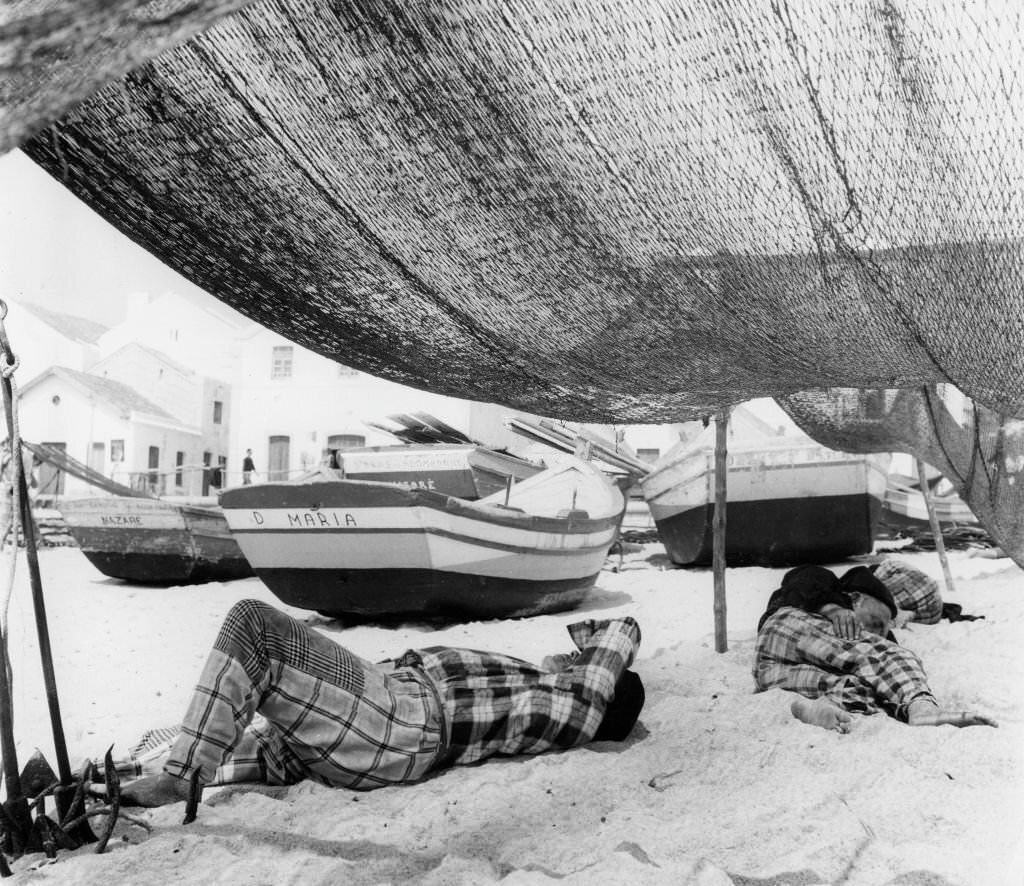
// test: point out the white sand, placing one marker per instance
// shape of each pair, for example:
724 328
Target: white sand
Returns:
717 786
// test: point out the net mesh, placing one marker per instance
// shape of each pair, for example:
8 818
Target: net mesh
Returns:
980 451
596 211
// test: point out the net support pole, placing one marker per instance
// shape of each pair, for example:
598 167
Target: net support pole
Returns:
718 527
31 553
940 543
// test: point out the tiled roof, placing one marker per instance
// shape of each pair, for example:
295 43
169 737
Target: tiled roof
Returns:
114 393
75 328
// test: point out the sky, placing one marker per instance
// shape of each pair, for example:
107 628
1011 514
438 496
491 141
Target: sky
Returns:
56 252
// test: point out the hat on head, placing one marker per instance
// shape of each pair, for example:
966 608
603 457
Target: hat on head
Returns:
623 710
810 577
861 580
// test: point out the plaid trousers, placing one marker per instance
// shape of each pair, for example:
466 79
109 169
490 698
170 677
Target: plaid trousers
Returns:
799 651
328 715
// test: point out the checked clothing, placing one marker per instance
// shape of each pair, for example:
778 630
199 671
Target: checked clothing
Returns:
800 652
495 704
331 716
912 589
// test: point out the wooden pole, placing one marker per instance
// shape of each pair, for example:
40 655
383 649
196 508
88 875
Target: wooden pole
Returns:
42 629
940 544
718 527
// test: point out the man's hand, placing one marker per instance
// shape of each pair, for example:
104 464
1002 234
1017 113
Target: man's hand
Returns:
843 621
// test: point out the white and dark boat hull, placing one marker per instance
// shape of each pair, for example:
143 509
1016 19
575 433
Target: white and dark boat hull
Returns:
369 549
785 506
153 541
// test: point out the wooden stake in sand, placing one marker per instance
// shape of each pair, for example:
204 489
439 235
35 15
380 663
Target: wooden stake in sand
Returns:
940 544
718 527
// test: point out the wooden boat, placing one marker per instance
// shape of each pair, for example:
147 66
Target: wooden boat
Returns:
155 541
465 470
366 548
790 501
904 505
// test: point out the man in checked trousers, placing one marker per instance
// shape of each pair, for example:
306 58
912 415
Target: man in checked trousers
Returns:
331 716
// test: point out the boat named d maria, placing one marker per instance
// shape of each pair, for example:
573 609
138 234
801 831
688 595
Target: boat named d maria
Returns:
373 549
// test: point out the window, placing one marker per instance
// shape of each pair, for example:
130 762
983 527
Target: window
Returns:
648 454
281 366
179 473
218 412
117 450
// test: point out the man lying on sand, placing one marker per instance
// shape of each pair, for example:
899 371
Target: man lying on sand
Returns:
830 642
345 722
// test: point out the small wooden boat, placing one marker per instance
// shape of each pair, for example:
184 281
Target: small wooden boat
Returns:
904 505
790 501
366 548
468 470
155 541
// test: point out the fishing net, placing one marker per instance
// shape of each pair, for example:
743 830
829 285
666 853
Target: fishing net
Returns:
612 212
980 451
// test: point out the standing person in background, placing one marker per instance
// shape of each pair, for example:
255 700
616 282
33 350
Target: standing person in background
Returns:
248 468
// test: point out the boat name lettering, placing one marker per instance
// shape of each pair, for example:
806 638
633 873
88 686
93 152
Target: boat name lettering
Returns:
318 519
120 520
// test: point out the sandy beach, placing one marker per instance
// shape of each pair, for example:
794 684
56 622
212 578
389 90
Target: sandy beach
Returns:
717 785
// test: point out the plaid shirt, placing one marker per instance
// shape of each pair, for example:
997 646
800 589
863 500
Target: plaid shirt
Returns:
912 589
799 651
495 704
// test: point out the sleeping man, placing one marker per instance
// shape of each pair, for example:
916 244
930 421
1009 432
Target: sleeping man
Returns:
829 641
333 717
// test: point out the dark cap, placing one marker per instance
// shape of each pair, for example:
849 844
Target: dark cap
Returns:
623 710
862 580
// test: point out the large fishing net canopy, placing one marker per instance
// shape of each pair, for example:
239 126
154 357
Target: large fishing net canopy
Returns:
625 212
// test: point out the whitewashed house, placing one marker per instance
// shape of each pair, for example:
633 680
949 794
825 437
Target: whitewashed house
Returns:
196 332
291 407
113 429
196 400
41 338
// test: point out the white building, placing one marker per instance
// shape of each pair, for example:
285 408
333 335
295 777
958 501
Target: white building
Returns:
196 400
197 333
41 338
291 406
111 428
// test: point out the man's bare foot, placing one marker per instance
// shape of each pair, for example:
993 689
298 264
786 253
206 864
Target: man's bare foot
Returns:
154 790
822 712
925 713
